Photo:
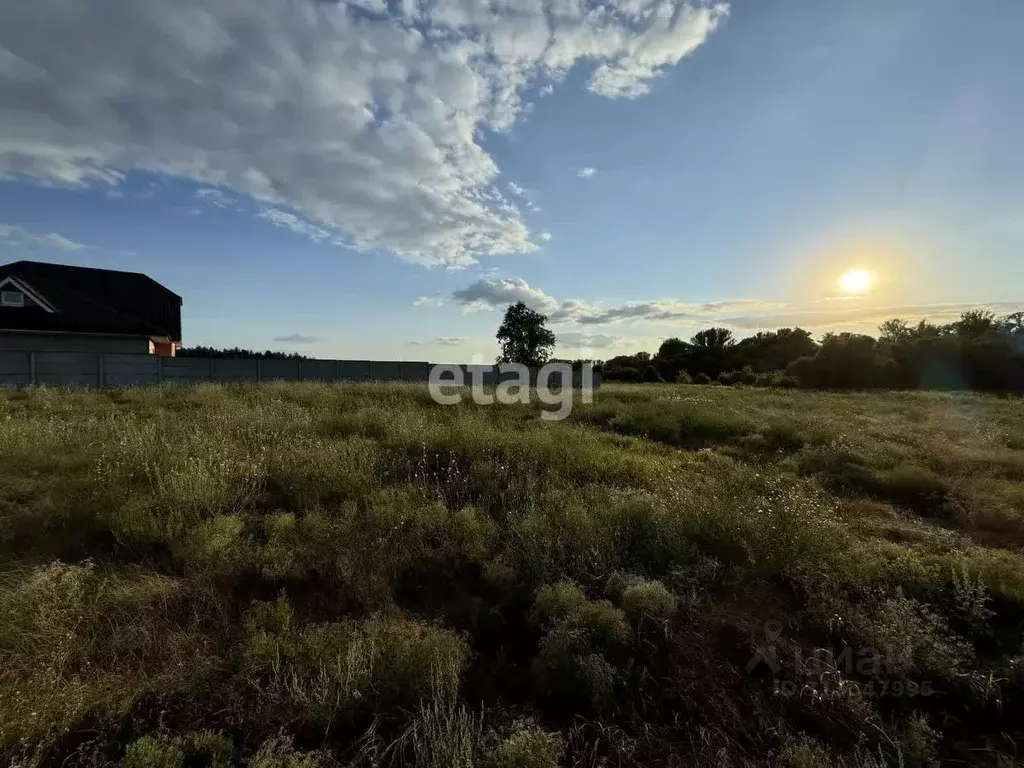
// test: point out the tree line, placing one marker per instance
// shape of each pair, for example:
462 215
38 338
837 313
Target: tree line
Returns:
978 351
238 353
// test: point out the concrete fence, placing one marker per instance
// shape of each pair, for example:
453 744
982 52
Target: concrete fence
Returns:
108 369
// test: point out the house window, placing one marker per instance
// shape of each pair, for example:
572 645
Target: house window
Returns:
12 299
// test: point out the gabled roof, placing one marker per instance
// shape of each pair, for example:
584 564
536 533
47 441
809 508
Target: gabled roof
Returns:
88 300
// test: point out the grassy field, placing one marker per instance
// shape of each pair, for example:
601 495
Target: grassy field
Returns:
306 575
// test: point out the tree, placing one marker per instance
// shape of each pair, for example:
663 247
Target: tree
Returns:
713 338
975 323
895 331
711 352
773 350
671 358
524 336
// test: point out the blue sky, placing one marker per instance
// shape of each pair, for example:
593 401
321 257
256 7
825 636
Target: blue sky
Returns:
380 179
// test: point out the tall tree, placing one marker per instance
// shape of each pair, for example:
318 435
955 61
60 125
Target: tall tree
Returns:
711 352
524 336
895 331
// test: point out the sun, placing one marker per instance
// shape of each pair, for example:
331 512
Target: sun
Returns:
856 281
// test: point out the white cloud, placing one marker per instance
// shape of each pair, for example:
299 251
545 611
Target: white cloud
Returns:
545 235
668 309
586 173
515 189
840 317
215 196
430 301
442 341
574 340
358 119
547 90
295 224
19 236
486 294
759 314
496 294
298 338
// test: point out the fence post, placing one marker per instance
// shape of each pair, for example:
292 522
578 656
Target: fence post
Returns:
210 374
300 368
101 371
259 372
32 368
160 369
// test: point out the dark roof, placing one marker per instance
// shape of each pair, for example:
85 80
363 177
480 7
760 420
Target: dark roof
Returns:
89 300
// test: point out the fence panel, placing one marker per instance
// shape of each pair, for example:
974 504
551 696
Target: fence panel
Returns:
186 369
15 368
116 369
385 371
70 369
353 370
234 369
319 370
122 370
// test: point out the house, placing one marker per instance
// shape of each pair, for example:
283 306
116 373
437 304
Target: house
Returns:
55 307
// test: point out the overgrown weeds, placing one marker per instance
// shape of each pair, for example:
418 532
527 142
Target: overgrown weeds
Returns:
305 575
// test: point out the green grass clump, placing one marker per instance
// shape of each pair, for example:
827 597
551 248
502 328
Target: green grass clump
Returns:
529 747
297 575
332 670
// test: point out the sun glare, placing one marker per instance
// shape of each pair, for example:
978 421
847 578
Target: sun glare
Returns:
856 281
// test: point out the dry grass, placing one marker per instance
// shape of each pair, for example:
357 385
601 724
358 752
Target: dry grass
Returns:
308 575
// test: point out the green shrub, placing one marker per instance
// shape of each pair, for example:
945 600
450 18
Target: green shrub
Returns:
279 753
557 601
165 751
334 669
149 752
648 600
529 747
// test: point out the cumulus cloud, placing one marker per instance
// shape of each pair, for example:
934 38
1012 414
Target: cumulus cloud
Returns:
19 236
586 173
496 294
545 235
360 117
298 338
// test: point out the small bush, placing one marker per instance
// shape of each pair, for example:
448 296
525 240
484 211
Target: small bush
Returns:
557 601
164 751
529 747
701 378
334 669
149 752
279 753
648 600
683 377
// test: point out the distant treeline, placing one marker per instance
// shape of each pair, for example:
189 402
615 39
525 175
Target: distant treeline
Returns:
238 352
978 351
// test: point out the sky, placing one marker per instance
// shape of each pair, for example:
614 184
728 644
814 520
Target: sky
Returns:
381 178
